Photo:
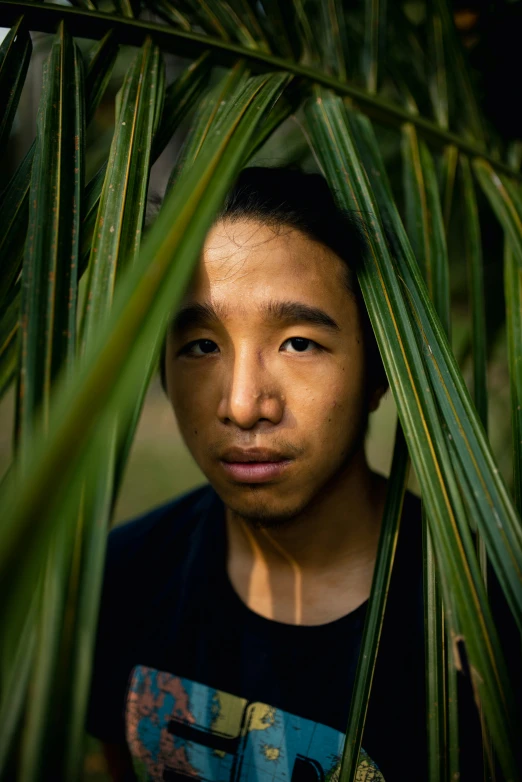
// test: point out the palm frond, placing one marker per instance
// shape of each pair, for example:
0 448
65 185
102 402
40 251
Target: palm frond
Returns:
82 370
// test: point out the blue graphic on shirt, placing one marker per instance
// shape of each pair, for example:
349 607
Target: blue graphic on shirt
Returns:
178 729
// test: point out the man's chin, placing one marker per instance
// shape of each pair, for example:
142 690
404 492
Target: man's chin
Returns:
261 510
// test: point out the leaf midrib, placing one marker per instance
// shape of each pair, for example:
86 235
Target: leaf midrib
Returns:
91 24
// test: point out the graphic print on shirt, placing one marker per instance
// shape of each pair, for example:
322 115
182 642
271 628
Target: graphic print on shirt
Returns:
180 730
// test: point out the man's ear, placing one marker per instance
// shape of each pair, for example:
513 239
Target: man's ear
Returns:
375 398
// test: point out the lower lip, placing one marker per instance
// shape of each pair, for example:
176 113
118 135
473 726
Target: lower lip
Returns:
255 472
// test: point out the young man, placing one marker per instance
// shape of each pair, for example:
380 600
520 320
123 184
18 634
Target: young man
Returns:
231 618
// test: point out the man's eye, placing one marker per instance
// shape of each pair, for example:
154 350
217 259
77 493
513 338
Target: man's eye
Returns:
299 345
199 347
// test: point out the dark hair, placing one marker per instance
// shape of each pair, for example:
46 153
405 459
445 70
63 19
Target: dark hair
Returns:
288 197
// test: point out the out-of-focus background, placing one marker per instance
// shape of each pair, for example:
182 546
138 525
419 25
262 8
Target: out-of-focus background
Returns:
160 466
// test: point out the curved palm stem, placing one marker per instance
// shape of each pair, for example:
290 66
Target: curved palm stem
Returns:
91 24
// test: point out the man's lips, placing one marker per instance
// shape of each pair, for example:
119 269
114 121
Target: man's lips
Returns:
254 465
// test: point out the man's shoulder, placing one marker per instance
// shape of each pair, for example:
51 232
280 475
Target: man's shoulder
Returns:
161 529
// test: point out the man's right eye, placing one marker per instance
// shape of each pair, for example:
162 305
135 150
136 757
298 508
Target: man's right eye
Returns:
199 347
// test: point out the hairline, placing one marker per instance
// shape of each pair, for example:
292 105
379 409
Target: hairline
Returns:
272 221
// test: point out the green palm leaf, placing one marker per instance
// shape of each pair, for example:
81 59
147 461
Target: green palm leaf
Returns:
484 488
133 32
50 272
426 230
77 415
15 53
405 367
150 290
377 603
48 330
121 212
14 209
503 200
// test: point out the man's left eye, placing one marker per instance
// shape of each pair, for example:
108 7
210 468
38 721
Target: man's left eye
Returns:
199 347
299 345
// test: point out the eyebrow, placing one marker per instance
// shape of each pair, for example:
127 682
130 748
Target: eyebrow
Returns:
298 312
195 314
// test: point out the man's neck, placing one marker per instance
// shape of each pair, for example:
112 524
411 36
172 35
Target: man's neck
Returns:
319 566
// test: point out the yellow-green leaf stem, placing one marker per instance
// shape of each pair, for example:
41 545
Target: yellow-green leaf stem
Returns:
513 293
473 247
426 231
427 443
15 53
376 606
436 663
448 169
453 711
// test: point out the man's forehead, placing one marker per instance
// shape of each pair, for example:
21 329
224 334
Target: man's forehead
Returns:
250 253
245 235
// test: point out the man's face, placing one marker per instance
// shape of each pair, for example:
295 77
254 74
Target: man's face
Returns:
265 369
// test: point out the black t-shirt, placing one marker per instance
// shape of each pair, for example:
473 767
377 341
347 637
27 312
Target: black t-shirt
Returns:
200 686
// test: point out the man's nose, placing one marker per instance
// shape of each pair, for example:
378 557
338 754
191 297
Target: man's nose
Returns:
251 392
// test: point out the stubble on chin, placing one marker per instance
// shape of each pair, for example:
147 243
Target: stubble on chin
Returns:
259 514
